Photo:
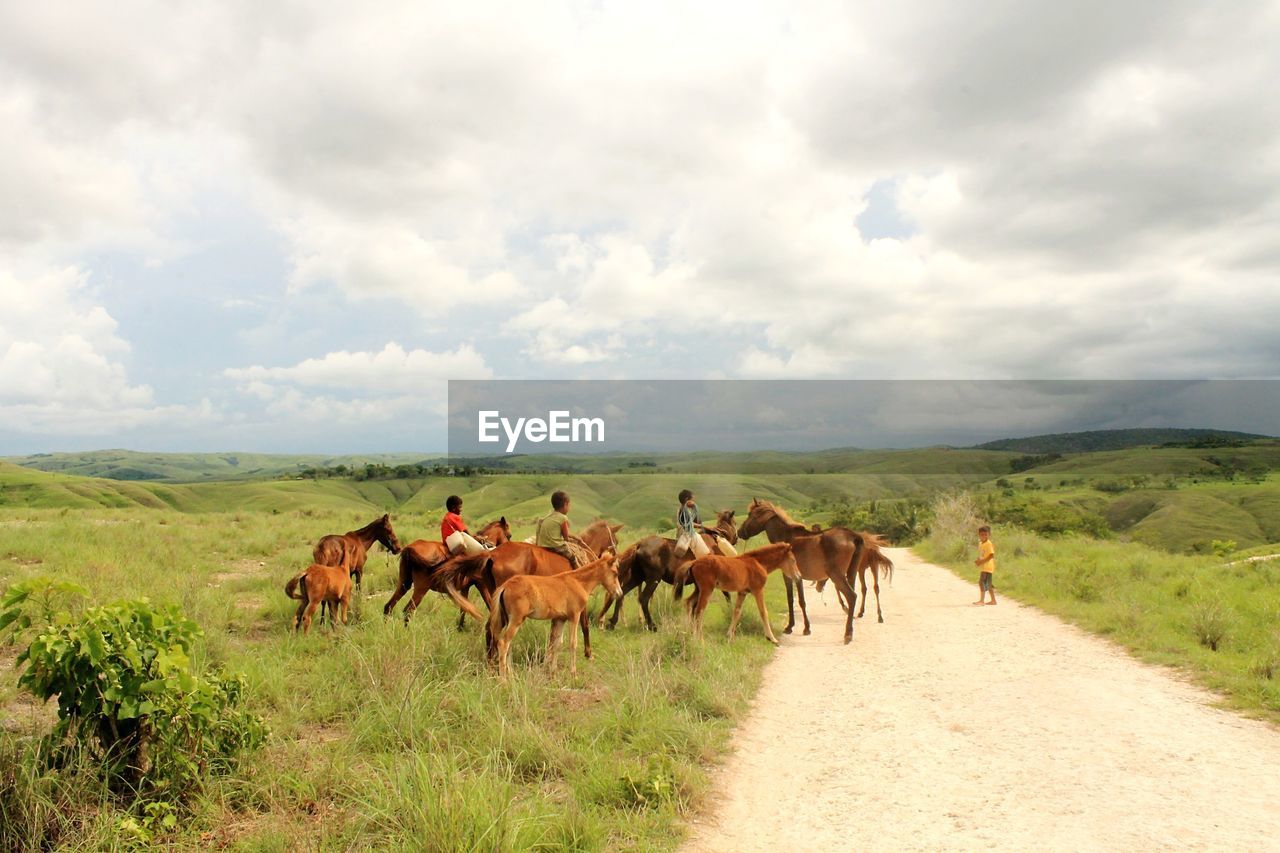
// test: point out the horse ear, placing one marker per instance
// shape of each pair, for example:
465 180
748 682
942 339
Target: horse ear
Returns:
502 520
386 516
731 512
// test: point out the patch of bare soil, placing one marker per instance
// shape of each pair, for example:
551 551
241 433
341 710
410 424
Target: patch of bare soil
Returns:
239 570
959 727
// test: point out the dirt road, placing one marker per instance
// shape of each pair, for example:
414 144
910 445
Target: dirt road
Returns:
960 727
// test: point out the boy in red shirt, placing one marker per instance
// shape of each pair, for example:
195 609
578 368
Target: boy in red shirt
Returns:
453 530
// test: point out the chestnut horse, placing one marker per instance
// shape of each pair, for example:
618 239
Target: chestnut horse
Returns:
318 585
875 560
562 598
426 565
652 560
419 562
830 555
746 573
352 547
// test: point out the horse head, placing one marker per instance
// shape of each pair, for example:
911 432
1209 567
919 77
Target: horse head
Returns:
757 515
386 535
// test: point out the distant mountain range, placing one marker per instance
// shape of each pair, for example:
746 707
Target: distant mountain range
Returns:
1092 441
135 466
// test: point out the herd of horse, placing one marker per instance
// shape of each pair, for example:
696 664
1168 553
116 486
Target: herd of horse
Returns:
519 580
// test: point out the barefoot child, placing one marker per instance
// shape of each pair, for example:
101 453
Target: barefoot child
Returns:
553 530
986 564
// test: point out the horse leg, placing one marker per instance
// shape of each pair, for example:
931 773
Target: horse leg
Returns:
632 583
842 585
604 608
585 621
791 605
312 607
396 595
875 579
764 614
704 598
645 595
737 614
345 604
804 611
297 616
504 644
862 576
553 643
573 644
420 590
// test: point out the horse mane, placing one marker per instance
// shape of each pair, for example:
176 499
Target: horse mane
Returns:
767 550
781 513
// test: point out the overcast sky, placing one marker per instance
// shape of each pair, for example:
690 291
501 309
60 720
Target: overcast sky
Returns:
282 226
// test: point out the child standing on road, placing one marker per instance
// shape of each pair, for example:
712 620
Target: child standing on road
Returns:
986 564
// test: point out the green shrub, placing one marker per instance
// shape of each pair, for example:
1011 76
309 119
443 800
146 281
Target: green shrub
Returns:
129 698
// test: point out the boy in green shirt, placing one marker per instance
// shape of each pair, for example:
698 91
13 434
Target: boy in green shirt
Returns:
553 531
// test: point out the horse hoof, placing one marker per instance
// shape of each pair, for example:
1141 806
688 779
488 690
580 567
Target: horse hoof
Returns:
848 638
653 628
786 630
881 620
806 632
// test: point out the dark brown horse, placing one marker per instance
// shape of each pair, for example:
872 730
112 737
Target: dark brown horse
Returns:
830 555
352 548
419 562
653 560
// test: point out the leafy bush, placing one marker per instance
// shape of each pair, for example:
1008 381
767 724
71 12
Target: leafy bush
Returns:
129 698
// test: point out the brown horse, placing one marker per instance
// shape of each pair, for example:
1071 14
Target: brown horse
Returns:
746 573
830 555
352 548
319 585
652 560
875 560
562 598
420 560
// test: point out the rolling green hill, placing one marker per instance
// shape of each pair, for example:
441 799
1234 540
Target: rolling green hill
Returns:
132 465
1091 441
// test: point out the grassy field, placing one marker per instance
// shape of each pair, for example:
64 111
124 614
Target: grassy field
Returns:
390 736
1211 616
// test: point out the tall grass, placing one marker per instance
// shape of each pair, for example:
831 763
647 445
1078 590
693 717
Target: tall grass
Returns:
385 735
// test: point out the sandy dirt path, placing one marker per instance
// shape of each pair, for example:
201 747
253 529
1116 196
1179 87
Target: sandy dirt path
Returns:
960 727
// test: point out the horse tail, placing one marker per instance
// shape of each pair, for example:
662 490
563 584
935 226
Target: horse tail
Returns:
293 584
498 620
881 561
470 567
407 559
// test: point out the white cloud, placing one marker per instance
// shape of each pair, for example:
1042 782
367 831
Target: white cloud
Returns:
1093 189
62 362
355 387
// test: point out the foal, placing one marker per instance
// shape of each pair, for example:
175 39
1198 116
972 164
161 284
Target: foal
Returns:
320 584
742 574
561 598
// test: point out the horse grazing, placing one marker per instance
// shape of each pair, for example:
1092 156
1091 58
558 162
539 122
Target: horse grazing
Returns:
830 555
352 548
652 560
746 573
420 560
318 585
562 598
